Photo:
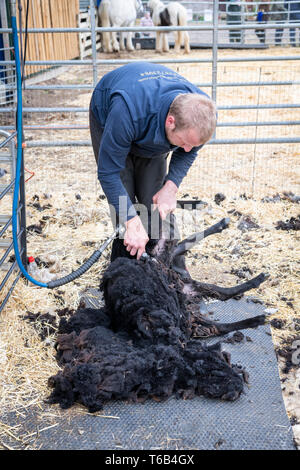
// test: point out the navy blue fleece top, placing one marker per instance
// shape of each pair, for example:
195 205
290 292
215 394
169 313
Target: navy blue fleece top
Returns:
131 104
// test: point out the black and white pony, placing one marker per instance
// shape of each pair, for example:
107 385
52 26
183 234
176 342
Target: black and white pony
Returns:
173 14
118 13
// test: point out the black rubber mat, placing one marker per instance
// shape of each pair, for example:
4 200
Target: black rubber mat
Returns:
257 420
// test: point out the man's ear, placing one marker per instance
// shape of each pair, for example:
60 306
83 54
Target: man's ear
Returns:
170 122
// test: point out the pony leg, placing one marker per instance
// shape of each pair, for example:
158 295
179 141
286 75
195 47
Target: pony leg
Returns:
122 42
129 44
165 42
115 43
187 48
106 42
103 19
158 46
192 240
178 37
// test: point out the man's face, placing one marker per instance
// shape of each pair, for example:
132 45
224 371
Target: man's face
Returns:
184 138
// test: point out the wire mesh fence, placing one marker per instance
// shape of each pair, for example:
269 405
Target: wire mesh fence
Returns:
255 150
246 13
257 101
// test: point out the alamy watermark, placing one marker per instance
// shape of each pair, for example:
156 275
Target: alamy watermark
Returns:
187 221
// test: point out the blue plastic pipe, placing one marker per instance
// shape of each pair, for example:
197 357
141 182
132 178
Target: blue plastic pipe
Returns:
19 156
96 255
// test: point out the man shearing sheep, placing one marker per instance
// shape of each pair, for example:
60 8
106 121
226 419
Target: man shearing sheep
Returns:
139 113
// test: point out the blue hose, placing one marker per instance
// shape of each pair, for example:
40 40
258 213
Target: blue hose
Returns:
96 255
19 155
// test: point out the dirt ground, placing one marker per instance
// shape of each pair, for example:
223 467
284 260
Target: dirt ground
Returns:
69 217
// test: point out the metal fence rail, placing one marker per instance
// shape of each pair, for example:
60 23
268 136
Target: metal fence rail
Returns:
216 32
214 26
214 85
9 267
202 11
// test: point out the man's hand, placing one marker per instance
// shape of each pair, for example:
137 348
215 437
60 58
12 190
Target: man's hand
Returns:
165 199
136 237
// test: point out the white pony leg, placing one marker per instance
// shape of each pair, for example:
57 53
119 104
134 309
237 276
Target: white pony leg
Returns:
106 42
187 48
129 44
178 39
165 42
115 43
104 20
158 41
122 42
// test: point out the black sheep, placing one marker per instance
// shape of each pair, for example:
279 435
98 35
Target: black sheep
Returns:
142 343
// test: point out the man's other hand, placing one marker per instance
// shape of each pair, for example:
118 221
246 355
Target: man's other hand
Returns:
165 199
136 237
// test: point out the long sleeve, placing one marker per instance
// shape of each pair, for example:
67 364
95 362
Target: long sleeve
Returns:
115 145
180 164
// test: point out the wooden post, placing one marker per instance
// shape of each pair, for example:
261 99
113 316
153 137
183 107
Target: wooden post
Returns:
51 46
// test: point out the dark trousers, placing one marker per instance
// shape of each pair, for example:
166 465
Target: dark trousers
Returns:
278 34
142 178
235 35
293 34
261 34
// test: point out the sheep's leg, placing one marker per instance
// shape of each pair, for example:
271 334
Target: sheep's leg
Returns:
207 328
177 255
179 266
192 240
195 288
